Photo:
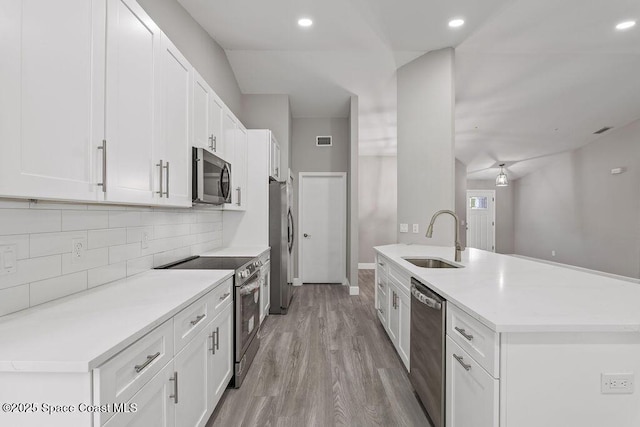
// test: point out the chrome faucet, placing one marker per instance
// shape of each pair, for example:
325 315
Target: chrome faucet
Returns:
429 234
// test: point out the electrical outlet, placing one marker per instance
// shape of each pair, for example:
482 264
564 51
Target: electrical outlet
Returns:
78 246
616 383
416 228
144 243
404 228
8 260
553 253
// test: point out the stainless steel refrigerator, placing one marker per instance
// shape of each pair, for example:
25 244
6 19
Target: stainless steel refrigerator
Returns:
281 238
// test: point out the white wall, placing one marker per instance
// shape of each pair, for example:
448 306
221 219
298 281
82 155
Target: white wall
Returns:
426 145
378 209
504 212
270 112
577 208
202 51
353 205
43 232
461 199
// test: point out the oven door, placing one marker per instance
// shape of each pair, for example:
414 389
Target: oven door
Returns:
211 178
247 313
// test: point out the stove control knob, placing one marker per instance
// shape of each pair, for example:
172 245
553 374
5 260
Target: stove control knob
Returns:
244 274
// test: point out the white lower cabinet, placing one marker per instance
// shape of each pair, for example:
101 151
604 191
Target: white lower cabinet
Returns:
403 304
382 300
221 356
472 397
151 405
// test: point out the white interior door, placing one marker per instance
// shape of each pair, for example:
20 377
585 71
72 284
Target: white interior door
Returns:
322 234
481 219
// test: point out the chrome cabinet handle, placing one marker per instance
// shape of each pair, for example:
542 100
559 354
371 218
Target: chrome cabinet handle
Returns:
160 165
460 360
239 190
198 319
213 143
224 297
103 184
277 172
150 358
174 396
381 264
217 338
464 333
167 192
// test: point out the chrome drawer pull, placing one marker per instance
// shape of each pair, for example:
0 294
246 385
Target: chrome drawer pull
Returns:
213 342
224 297
217 338
150 359
460 360
174 396
464 333
198 319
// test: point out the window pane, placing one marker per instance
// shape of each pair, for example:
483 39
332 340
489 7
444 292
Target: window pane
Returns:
478 202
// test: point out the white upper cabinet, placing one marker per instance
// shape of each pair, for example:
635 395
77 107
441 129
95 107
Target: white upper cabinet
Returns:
201 128
51 97
133 104
217 137
236 141
274 159
172 153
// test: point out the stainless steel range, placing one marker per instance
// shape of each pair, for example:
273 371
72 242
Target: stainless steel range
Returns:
246 302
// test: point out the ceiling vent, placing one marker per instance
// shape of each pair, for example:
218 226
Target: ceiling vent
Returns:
603 130
323 141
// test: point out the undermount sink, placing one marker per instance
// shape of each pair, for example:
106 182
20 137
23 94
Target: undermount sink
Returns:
430 263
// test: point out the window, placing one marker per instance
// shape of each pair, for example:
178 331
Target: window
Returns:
478 202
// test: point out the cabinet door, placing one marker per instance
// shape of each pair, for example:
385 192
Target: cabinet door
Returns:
215 120
201 97
265 294
154 406
192 365
403 302
133 81
472 394
394 315
221 357
173 146
51 98
239 175
274 159
381 298
229 131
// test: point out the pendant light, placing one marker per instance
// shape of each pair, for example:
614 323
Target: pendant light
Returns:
501 179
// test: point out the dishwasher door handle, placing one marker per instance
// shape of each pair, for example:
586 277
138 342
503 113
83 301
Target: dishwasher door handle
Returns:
429 302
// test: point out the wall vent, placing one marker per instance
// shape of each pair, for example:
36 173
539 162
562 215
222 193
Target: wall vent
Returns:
323 141
603 130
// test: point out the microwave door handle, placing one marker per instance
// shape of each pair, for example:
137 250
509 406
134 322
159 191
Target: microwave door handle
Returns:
200 180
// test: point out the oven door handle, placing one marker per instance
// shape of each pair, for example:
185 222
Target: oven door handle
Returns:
249 288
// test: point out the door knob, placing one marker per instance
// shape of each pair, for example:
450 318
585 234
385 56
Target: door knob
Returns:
307 235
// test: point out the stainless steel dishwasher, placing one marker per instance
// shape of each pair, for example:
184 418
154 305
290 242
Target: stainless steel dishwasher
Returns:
427 374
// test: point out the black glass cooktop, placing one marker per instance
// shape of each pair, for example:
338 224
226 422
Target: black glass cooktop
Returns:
208 263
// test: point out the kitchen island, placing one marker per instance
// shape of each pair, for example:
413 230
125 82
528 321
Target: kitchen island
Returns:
527 343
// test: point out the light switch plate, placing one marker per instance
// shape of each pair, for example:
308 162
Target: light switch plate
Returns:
8 261
404 228
416 228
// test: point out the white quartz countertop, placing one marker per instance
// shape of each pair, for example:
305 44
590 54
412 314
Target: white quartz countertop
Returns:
511 294
238 251
80 332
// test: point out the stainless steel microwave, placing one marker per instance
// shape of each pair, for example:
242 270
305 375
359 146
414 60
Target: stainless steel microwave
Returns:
210 178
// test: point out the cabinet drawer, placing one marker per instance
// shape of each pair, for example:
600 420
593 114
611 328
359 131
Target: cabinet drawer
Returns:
382 283
475 338
472 397
382 264
400 278
190 321
117 380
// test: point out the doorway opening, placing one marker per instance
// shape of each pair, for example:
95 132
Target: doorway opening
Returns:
481 219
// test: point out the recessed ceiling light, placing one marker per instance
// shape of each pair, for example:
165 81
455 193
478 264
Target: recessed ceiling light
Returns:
305 22
455 23
625 25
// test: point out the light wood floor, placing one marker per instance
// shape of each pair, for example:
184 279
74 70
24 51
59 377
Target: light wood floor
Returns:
328 362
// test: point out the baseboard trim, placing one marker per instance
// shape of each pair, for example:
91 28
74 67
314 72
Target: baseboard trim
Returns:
366 266
297 281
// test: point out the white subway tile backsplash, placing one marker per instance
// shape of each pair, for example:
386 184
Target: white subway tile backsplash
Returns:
138 265
22 221
124 252
124 219
107 237
32 269
53 243
108 273
58 287
43 233
92 258
84 220
21 241
14 299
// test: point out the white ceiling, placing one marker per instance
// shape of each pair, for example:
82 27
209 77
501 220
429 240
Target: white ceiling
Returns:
540 77
534 77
